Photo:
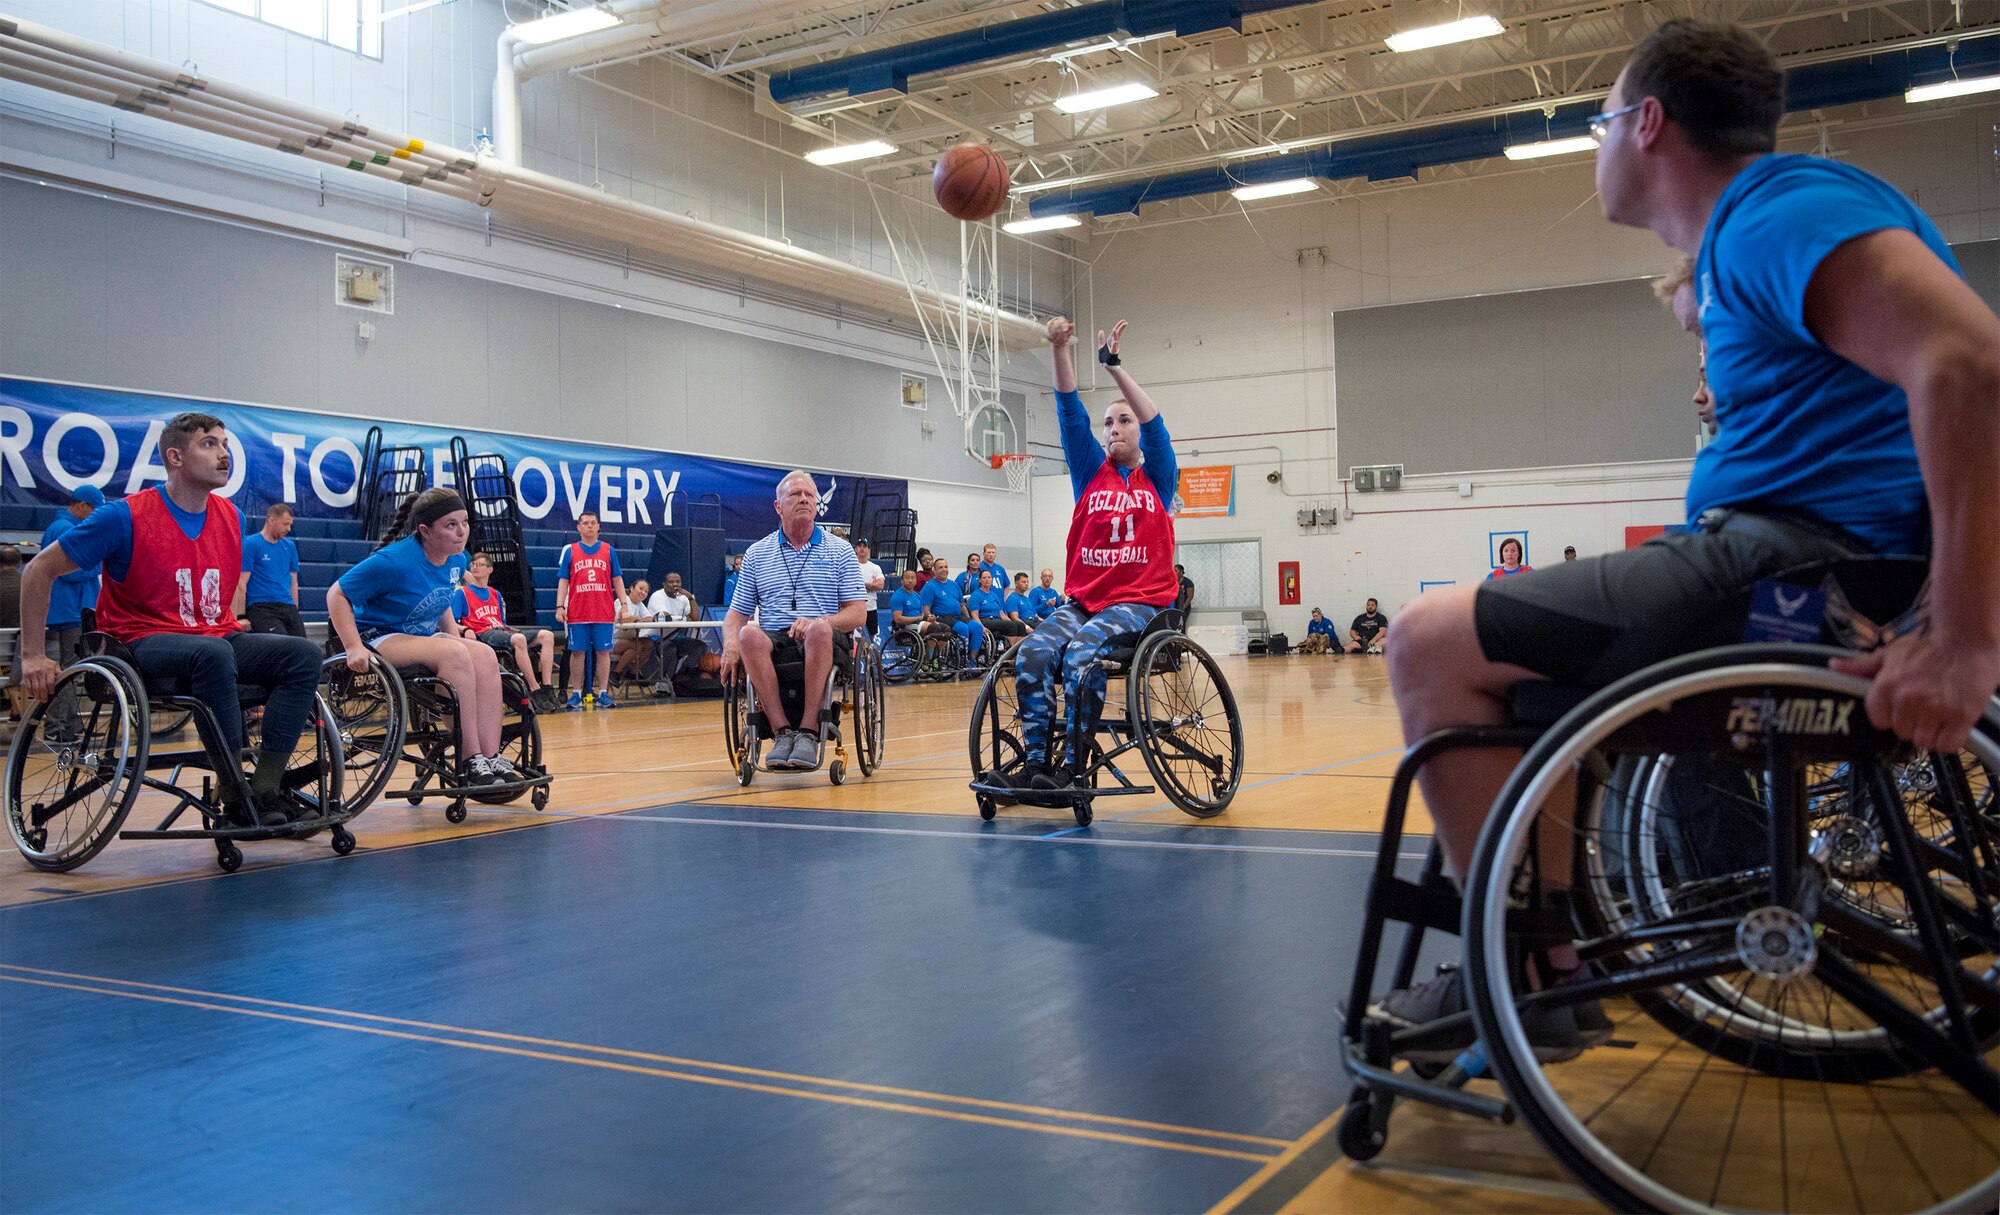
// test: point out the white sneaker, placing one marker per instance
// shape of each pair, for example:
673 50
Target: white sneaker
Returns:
1374 649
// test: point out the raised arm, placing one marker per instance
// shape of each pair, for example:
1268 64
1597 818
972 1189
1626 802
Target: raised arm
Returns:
1135 396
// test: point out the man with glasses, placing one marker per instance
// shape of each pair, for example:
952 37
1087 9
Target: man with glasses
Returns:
1858 387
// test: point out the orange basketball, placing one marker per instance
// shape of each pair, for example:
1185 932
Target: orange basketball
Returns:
970 181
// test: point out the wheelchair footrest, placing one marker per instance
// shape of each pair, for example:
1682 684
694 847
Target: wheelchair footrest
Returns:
1410 1086
291 831
1072 794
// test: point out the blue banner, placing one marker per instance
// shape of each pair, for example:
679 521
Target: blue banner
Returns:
56 437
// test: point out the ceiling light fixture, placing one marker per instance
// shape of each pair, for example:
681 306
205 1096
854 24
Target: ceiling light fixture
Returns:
841 154
1951 88
1098 99
1444 35
565 25
1047 223
1550 147
1276 189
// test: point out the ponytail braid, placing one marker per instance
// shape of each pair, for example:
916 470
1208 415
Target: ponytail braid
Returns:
399 526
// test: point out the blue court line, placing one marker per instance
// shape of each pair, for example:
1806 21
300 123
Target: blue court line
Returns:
1257 785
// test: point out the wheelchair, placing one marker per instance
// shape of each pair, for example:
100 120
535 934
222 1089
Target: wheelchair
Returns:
1177 711
1787 920
853 688
81 759
389 715
927 658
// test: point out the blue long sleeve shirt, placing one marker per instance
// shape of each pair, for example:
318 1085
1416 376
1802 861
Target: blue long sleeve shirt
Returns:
1085 453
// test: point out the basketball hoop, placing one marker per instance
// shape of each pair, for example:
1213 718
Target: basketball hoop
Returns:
1019 466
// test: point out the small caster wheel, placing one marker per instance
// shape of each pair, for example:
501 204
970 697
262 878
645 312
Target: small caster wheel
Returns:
228 856
1084 813
836 772
987 806
343 841
455 813
1359 1137
413 798
746 769
540 797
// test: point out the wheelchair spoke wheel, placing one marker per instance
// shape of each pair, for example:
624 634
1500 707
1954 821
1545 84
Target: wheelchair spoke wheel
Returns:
74 768
1786 929
520 739
317 772
734 721
1184 716
372 714
994 737
869 728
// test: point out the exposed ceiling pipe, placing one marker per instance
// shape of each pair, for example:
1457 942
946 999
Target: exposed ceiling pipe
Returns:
1870 76
49 59
892 67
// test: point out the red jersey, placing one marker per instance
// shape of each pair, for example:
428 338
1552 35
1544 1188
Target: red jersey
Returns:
590 597
483 608
174 584
1121 543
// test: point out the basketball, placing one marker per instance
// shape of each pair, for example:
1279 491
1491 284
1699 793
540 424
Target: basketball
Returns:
970 181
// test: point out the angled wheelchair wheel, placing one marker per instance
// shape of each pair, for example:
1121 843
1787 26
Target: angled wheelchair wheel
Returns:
166 723
993 736
1833 1045
520 740
735 719
1184 716
317 773
372 713
870 730
74 769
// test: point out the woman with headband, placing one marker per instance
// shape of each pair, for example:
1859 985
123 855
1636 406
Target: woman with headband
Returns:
399 600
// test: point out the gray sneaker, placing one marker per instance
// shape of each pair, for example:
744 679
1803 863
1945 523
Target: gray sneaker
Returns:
779 757
1554 1033
805 751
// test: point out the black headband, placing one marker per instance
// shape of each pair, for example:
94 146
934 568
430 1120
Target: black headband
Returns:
427 515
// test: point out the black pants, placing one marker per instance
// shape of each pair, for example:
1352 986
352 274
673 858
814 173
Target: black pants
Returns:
284 669
276 618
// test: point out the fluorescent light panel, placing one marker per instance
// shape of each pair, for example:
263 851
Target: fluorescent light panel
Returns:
841 154
565 25
1098 99
1444 35
1048 223
1952 88
1276 189
1550 147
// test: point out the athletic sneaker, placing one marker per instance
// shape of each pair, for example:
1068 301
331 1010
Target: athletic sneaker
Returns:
1374 649
479 771
283 808
575 702
505 768
779 757
604 701
1032 778
1554 1033
805 751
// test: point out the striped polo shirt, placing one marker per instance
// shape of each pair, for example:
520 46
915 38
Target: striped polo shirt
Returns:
780 583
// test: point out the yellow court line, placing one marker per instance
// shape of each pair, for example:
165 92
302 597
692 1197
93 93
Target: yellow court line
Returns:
738 1069
1271 1169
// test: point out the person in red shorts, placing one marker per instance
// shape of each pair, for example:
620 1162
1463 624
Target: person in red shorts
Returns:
172 608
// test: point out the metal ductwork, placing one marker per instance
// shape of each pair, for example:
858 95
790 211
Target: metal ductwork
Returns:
892 67
1386 157
50 59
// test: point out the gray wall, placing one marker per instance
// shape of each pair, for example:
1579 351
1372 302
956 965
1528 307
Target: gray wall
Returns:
1575 375
103 292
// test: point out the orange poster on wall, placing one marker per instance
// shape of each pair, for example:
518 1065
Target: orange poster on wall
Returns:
1207 493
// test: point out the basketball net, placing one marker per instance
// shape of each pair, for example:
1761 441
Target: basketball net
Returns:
1019 465
960 317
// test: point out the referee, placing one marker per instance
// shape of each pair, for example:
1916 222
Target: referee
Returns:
803 589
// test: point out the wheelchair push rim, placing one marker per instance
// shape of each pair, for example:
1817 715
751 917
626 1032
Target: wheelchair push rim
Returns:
1184 714
94 766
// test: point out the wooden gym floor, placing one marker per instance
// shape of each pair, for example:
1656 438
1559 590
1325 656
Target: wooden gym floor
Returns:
667 992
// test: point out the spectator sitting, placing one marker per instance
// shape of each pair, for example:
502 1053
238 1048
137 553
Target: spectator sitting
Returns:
729 579
923 566
629 650
1045 599
481 614
677 646
1018 606
947 606
1319 635
1369 632
989 560
968 578
269 584
1569 552
1510 560
907 610
75 593
989 605
872 580
1184 601
589 585
805 592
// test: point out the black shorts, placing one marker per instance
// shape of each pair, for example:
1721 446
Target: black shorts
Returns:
1594 621
787 654
501 638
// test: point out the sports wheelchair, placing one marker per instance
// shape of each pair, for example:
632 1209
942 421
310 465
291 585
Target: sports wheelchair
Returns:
81 759
853 684
925 658
1787 924
390 714
1177 711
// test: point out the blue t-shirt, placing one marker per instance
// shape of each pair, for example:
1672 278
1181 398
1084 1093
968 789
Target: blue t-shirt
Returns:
1018 604
967 583
1086 455
1322 626
1802 429
729 586
942 597
76 590
270 564
1046 600
909 603
987 605
397 589
998 571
